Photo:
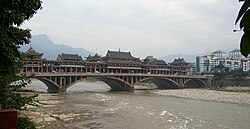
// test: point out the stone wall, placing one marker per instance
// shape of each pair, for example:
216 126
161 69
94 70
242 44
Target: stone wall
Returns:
231 82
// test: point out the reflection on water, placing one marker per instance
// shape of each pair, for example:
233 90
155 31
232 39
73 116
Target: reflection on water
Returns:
95 107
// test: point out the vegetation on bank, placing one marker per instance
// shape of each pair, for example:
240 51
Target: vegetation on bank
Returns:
25 123
240 89
235 89
221 72
232 81
13 13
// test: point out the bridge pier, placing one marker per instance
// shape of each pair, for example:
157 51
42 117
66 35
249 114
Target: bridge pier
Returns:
209 82
117 84
56 90
55 84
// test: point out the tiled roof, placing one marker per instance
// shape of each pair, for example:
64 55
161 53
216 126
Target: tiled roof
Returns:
74 57
149 58
155 61
179 61
118 57
93 58
32 52
118 54
160 62
123 62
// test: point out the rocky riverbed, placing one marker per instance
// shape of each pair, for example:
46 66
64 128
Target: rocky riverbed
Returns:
49 116
208 95
53 114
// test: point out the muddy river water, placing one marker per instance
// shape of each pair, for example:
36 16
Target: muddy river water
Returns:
91 106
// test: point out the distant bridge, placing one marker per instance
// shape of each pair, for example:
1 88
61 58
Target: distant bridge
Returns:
59 82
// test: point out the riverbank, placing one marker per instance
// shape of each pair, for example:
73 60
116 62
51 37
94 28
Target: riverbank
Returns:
208 95
49 116
99 110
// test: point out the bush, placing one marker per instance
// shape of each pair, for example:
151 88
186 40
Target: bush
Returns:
25 123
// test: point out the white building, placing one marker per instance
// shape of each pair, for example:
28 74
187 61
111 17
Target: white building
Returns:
219 54
235 55
245 64
205 63
232 64
215 62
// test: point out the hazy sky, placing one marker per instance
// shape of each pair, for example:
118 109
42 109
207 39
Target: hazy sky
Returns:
143 27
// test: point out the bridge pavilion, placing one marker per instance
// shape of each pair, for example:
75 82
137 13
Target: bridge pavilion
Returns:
121 62
154 66
33 61
180 66
120 70
112 62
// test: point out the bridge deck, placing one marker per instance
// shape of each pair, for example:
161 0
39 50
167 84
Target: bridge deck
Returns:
115 74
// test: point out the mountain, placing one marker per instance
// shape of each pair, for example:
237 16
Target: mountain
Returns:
42 43
190 58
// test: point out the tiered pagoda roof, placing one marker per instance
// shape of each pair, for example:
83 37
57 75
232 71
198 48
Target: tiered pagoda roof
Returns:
69 57
31 53
120 57
94 58
180 62
153 61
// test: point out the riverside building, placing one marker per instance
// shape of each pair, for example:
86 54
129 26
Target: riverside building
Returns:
235 55
245 64
233 61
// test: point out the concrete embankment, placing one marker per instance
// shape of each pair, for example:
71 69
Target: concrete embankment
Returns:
208 95
242 82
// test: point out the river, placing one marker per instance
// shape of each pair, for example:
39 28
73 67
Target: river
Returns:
92 106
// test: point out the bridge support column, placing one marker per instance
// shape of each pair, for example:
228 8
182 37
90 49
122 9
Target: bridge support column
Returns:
61 90
52 90
70 80
56 79
209 82
181 81
56 90
117 84
60 81
131 80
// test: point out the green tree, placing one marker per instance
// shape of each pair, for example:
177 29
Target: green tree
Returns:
244 17
12 15
239 73
219 71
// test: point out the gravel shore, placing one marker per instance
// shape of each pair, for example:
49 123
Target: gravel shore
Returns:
49 115
208 95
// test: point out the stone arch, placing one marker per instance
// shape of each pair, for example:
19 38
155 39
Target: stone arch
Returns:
117 84
74 82
52 86
194 83
163 83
